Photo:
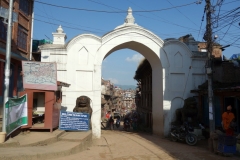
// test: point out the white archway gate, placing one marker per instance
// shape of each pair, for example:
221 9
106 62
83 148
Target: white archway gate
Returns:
79 64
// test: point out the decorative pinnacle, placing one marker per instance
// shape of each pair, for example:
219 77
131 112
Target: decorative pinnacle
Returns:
60 30
130 19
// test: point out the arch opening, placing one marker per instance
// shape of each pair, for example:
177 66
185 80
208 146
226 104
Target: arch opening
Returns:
157 83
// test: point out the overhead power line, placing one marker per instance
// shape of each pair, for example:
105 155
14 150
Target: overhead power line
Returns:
182 13
104 11
67 26
69 23
92 31
202 21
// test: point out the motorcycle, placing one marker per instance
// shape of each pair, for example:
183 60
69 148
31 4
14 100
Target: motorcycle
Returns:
127 125
183 133
118 123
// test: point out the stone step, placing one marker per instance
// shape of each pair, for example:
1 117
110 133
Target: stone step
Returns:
75 136
53 150
25 139
57 149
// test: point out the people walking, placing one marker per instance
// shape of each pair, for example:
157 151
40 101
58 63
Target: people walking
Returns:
111 122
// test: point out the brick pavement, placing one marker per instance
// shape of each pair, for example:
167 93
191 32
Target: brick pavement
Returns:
119 145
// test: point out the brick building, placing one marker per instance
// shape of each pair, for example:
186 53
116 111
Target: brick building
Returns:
143 97
226 91
20 44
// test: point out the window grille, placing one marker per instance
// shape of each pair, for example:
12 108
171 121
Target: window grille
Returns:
3 31
22 37
24 6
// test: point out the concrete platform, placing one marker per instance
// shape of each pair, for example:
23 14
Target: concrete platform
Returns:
42 145
74 136
33 138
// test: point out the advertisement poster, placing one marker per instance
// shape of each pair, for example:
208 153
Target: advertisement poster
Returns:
16 113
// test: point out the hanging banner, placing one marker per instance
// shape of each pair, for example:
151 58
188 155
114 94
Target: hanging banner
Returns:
74 121
39 75
16 113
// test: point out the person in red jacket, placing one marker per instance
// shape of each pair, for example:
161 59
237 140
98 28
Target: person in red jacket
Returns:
108 115
227 118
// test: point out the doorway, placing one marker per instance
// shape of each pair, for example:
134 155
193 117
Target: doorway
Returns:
235 103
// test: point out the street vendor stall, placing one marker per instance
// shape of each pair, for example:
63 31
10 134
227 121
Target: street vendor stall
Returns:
43 107
43 94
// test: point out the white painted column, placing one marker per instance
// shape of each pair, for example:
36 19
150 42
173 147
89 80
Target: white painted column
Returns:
96 115
157 99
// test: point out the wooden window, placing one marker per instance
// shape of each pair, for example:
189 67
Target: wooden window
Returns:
3 31
24 6
22 38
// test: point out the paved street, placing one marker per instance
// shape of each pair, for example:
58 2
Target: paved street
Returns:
121 145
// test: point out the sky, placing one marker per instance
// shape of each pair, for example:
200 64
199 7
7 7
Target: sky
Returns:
165 18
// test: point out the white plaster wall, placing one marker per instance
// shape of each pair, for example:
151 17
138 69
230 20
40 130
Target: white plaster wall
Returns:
185 74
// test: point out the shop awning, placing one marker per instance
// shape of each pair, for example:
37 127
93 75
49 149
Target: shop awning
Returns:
13 55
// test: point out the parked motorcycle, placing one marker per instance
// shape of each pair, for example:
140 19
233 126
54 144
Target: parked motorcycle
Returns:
127 125
118 123
183 133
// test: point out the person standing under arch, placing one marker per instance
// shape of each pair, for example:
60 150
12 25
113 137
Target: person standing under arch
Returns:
227 118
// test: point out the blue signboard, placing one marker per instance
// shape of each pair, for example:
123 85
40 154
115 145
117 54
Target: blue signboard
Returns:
74 121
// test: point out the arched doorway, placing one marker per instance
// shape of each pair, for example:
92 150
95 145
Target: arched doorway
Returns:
153 58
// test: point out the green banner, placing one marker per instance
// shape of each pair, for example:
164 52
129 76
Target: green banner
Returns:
16 113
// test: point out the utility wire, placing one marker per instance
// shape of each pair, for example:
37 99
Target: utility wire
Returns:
231 2
69 23
225 21
235 41
103 11
182 13
99 30
193 30
227 30
47 15
164 21
66 26
75 28
226 17
202 21
107 6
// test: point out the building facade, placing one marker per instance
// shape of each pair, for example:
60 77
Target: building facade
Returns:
144 93
20 43
226 91
128 100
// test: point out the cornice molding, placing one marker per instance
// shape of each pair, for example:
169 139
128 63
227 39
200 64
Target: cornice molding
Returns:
132 29
82 36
